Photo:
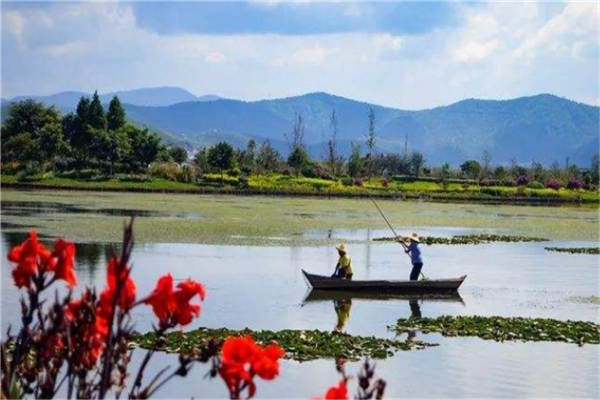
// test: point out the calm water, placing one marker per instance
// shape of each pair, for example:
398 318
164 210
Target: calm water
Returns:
262 288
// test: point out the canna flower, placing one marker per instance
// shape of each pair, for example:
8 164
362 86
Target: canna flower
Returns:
337 392
173 307
242 359
64 268
30 256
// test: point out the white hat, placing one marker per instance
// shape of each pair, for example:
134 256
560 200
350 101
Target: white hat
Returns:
414 237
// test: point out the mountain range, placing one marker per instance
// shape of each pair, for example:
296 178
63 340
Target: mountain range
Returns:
543 128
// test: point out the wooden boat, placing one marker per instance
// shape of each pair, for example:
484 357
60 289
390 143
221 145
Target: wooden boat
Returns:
424 286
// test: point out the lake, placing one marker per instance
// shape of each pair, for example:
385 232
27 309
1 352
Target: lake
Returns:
251 266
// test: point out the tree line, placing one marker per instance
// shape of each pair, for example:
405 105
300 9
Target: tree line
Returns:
37 138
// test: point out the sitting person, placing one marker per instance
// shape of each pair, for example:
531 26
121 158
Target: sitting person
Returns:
412 248
343 269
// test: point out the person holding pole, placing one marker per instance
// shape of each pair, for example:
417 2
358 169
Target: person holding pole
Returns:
412 249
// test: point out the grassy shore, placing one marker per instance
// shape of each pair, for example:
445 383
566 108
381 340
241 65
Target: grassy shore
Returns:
283 185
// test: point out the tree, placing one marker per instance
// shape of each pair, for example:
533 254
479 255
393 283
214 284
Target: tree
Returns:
115 117
370 141
145 147
53 144
471 168
268 158
334 161
248 158
296 138
500 172
595 170
445 174
417 162
487 164
178 154
78 135
201 160
220 156
96 118
30 123
297 159
355 164
112 146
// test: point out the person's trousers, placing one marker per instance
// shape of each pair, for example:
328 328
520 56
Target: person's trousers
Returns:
416 270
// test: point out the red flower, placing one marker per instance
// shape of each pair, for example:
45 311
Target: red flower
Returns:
162 300
116 274
266 364
173 307
64 253
30 256
242 359
184 310
337 392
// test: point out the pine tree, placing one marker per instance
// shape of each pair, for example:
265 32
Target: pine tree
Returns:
96 118
116 115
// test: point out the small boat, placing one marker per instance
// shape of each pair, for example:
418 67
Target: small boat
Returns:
423 286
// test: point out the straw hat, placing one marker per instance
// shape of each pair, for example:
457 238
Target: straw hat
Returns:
341 247
414 237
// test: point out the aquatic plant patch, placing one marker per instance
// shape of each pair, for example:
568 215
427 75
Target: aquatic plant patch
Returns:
501 329
585 299
299 345
469 239
575 250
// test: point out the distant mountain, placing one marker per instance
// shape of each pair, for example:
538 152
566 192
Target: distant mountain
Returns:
543 128
159 96
155 97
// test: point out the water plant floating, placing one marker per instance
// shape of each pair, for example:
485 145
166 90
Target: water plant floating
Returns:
575 250
501 329
469 239
299 345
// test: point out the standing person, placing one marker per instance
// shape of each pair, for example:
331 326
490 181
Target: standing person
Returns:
343 269
413 250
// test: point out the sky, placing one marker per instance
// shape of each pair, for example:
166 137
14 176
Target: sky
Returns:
410 55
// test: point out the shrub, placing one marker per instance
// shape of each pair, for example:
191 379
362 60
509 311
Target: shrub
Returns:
347 181
553 184
287 171
244 182
575 183
187 174
535 185
164 170
508 182
358 182
132 178
522 180
235 172
385 182
216 178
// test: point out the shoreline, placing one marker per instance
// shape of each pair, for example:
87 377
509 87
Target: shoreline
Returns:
393 195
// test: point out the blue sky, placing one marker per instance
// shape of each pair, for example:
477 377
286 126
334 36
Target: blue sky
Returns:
409 55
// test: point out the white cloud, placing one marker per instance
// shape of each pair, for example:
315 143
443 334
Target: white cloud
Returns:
498 51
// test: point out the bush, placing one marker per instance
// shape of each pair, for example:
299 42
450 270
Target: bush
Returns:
385 182
164 170
358 182
508 182
244 182
535 185
132 178
522 180
216 178
575 183
287 171
347 181
235 172
187 174
553 184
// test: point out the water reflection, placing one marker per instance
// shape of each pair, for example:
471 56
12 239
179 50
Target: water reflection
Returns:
342 303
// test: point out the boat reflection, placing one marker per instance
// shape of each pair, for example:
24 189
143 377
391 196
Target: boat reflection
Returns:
342 303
